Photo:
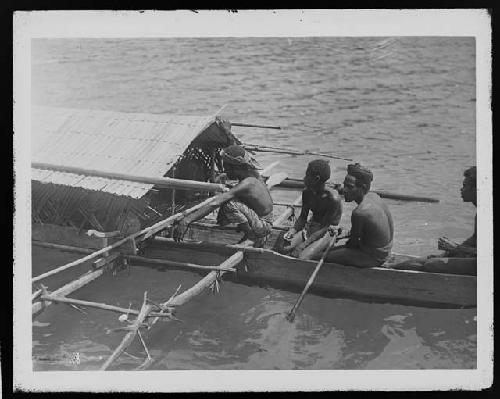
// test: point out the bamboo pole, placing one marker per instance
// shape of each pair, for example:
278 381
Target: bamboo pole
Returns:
205 282
265 172
299 184
129 337
261 148
178 300
287 213
97 305
138 258
214 226
147 232
38 307
291 315
254 125
163 182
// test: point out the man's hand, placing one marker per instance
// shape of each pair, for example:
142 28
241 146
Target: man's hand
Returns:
221 178
179 231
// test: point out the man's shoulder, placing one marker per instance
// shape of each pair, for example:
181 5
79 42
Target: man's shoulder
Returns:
251 180
332 194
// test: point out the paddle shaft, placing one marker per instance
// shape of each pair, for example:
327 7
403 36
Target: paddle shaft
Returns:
291 314
299 184
254 125
261 148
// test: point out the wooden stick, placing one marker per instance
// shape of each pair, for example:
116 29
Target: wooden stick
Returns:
36 294
260 148
38 307
178 300
138 258
278 203
147 232
291 315
265 172
163 182
129 337
214 226
287 213
97 305
299 184
205 282
254 125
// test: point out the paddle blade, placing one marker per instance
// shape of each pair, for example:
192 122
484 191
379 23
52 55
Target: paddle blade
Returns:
275 179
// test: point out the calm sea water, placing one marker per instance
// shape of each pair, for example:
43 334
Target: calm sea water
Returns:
405 107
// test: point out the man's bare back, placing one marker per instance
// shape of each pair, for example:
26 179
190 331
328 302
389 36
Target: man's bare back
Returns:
254 193
377 225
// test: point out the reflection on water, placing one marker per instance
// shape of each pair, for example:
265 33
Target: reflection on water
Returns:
403 106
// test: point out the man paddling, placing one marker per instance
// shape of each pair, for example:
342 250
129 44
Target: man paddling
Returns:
372 229
457 258
248 204
326 207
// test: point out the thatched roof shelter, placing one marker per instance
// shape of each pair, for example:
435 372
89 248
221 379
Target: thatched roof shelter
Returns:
127 143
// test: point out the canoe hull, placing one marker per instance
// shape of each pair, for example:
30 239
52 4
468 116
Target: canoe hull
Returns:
268 268
264 267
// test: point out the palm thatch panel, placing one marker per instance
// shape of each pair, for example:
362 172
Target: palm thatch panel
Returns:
151 145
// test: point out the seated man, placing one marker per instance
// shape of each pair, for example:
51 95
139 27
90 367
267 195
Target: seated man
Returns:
326 207
249 203
372 229
457 258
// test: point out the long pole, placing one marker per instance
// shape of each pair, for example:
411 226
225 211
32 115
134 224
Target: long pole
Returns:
291 315
147 232
261 148
254 125
299 184
164 182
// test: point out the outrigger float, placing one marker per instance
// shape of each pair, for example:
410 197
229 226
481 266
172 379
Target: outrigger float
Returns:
101 183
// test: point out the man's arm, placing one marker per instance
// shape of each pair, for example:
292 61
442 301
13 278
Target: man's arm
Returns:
304 213
182 225
357 222
472 241
331 218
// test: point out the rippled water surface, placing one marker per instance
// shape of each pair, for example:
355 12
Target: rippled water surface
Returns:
405 107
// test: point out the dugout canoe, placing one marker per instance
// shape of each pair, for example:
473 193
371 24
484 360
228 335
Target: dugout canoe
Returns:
265 267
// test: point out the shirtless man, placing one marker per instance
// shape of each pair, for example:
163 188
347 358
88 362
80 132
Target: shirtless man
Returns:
457 258
326 207
372 229
248 204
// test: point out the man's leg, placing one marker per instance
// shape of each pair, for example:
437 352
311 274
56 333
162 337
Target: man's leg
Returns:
255 229
350 257
466 266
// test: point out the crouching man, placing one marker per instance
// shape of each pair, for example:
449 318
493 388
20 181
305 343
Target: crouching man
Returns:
248 204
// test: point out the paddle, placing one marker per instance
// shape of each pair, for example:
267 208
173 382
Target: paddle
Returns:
291 315
275 179
299 184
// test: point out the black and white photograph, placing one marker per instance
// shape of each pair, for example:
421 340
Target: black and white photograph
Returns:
253 200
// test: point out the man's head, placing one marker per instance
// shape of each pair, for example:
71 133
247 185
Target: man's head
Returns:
468 190
317 173
237 162
357 182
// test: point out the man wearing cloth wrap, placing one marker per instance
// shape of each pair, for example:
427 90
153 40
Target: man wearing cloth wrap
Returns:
372 229
248 204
